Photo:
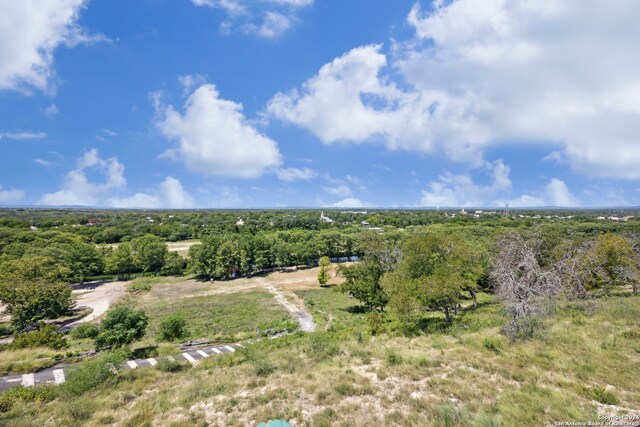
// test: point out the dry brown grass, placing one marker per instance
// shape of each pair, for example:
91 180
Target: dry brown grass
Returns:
467 375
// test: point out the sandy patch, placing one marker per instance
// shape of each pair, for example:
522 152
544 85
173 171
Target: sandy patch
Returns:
99 299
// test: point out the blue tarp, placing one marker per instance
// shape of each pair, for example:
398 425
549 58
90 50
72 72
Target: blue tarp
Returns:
275 423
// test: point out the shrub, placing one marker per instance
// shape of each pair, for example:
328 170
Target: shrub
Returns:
322 346
44 336
139 286
262 366
450 416
166 365
6 329
494 344
525 328
173 328
121 327
91 373
84 330
144 352
599 394
376 321
392 357
44 393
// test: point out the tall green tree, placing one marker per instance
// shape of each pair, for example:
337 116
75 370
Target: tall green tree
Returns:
609 261
149 252
325 270
121 261
362 281
434 270
32 288
83 259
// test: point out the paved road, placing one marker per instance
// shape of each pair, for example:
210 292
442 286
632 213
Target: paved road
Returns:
57 374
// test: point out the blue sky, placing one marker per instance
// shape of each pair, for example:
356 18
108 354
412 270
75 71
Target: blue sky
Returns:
270 103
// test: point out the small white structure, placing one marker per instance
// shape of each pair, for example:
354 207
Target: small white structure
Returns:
240 222
325 218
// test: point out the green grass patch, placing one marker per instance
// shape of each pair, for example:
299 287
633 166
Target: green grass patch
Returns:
333 309
224 317
24 361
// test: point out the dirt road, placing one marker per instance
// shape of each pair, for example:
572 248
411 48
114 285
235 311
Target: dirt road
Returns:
98 298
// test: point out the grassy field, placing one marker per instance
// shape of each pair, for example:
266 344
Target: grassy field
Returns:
224 317
585 363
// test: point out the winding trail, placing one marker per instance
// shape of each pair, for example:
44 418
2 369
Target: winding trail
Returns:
301 314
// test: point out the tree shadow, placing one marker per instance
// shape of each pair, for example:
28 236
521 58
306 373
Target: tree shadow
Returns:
433 325
356 309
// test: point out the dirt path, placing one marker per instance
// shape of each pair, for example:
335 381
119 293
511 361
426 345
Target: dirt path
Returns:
99 299
298 311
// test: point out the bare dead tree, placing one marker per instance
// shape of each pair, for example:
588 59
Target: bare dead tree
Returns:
521 283
386 253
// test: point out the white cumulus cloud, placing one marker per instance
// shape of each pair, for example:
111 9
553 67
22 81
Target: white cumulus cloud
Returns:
461 190
295 174
10 196
77 189
350 100
170 194
351 202
30 32
215 139
265 18
273 25
550 71
479 74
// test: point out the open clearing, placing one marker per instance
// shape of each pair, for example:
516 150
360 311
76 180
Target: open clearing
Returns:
182 247
229 310
98 298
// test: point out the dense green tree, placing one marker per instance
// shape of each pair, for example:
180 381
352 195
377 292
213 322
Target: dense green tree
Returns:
434 270
83 259
362 281
29 301
174 265
121 327
33 268
325 271
32 288
121 261
150 253
608 261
